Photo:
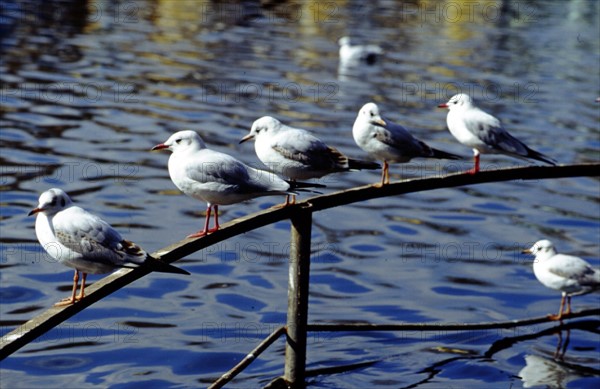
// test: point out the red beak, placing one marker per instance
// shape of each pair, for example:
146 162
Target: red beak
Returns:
34 211
443 105
159 147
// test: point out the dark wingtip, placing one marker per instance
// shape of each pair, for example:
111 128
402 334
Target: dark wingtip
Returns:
163 267
445 155
355 164
300 185
540 157
548 160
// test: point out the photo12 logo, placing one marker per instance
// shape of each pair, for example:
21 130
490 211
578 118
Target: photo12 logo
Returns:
71 92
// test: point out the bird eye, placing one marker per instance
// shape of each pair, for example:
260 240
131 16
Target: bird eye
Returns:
178 140
372 114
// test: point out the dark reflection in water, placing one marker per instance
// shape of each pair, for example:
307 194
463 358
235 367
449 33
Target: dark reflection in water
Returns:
87 88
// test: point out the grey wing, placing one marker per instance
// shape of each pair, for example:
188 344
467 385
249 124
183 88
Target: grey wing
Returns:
231 174
575 268
224 170
310 151
398 137
95 240
490 131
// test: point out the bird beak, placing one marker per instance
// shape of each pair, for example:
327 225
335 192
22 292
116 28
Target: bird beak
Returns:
159 147
34 211
247 137
381 122
526 251
443 105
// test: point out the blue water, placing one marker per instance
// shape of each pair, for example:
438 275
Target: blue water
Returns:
89 88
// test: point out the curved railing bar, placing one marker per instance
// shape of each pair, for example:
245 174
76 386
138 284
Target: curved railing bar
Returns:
52 317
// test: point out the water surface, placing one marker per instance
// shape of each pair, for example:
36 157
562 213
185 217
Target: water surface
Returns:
89 88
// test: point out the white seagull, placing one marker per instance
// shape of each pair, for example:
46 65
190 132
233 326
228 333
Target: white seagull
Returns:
571 275
80 240
390 142
483 132
355 53
297 154
218 178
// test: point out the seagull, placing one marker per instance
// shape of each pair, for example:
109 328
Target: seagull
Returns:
80 240
390 142
297 154
218 178
483 132
571 275
357 53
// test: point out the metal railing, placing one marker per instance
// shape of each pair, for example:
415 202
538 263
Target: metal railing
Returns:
300 215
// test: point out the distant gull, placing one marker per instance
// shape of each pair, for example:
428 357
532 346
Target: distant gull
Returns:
80 240
571 275
218 178
390 142
356 53
483 132
297 154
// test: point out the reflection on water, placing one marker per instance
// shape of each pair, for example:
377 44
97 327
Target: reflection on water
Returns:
545 371
89 87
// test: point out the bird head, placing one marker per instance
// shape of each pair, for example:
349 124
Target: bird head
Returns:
52 201
182 140
541 247
370 113
264 125
459 100
344 41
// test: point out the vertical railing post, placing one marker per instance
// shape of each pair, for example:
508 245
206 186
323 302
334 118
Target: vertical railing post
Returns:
298 285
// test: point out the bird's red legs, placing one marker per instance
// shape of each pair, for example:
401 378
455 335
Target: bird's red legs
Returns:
83 278
72 299
562 305
385 175
216 208
289 200
206 230
476 165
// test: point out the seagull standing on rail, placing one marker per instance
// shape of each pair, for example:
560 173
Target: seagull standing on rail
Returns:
483 132
218 178
80 240
571 275
390 142
296 153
